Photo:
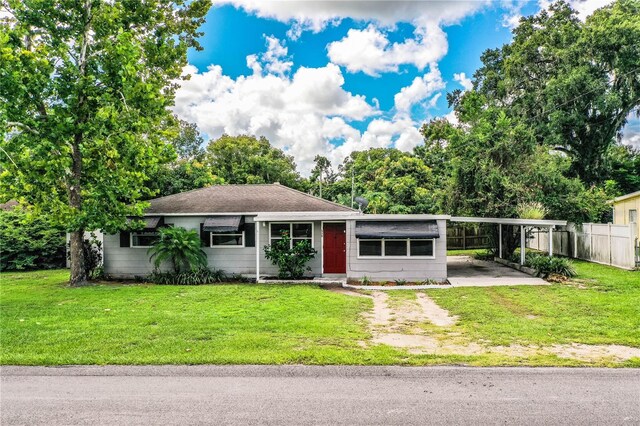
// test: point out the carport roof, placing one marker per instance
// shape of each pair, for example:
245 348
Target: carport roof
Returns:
540 223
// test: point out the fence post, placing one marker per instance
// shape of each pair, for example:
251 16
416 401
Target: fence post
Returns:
523 245
609 239
500 240
575 242
464 238
591 241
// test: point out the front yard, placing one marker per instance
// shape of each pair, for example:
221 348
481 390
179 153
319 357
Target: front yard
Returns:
44 322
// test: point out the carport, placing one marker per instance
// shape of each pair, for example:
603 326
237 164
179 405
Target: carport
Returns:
524 225
467 271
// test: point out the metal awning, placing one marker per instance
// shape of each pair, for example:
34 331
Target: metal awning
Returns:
150 222
223 224
397 229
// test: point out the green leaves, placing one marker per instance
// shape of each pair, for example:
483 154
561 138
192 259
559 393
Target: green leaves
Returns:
246 159
572 83
291 259
112 106
180 247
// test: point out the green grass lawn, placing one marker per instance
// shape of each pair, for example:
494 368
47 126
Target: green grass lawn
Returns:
44 322
600 306
466 252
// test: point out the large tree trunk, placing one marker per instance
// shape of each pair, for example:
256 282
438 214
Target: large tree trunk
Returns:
78 272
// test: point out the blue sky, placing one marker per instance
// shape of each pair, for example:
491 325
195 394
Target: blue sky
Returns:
328 77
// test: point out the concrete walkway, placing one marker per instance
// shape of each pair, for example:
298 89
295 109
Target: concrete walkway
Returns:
464 271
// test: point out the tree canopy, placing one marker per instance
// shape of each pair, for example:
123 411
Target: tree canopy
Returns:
574 83
85 88
247 159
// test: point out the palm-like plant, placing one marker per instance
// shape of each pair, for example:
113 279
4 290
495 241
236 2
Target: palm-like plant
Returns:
179 246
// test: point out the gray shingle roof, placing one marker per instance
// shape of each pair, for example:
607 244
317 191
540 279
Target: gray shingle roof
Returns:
242 199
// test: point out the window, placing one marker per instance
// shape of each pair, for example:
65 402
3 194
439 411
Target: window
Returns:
143 238
227 240
633 216
370 247
297 231
395 247
419 248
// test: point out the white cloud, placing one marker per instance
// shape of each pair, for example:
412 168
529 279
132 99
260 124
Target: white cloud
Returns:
587 7
304 114
463 80
511 20
273 61
631 131
583 7
380 133
451 117
316 15
420 89
300 114
370 51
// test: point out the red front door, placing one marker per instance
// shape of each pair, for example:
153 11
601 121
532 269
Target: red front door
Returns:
334 248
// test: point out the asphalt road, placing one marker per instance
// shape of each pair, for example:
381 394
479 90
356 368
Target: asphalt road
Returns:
188 395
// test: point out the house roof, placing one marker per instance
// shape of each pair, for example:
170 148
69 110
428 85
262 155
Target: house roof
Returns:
625 197
241 199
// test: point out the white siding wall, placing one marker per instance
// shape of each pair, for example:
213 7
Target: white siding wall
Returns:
129 262
393 269
134 261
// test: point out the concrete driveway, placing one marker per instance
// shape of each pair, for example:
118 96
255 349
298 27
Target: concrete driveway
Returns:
465 271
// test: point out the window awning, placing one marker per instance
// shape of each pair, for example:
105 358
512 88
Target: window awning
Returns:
397 229
223 224
150 222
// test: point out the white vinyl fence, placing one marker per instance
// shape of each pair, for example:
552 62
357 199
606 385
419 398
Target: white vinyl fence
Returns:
605 243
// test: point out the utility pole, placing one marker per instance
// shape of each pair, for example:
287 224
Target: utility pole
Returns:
352 183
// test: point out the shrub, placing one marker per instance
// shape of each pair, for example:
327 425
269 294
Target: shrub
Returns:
365 280
484 255
401 282
92 249
197 276
180 247
29 241
531 210
546 265
291 260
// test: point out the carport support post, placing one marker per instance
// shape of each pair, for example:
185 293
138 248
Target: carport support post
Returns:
258 251
500 240
523 249
551 241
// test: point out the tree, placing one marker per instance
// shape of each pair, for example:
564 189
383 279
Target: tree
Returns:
246 159
574 83
498 165
188 143
622 165
188 171
85 88
322 176
391 180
